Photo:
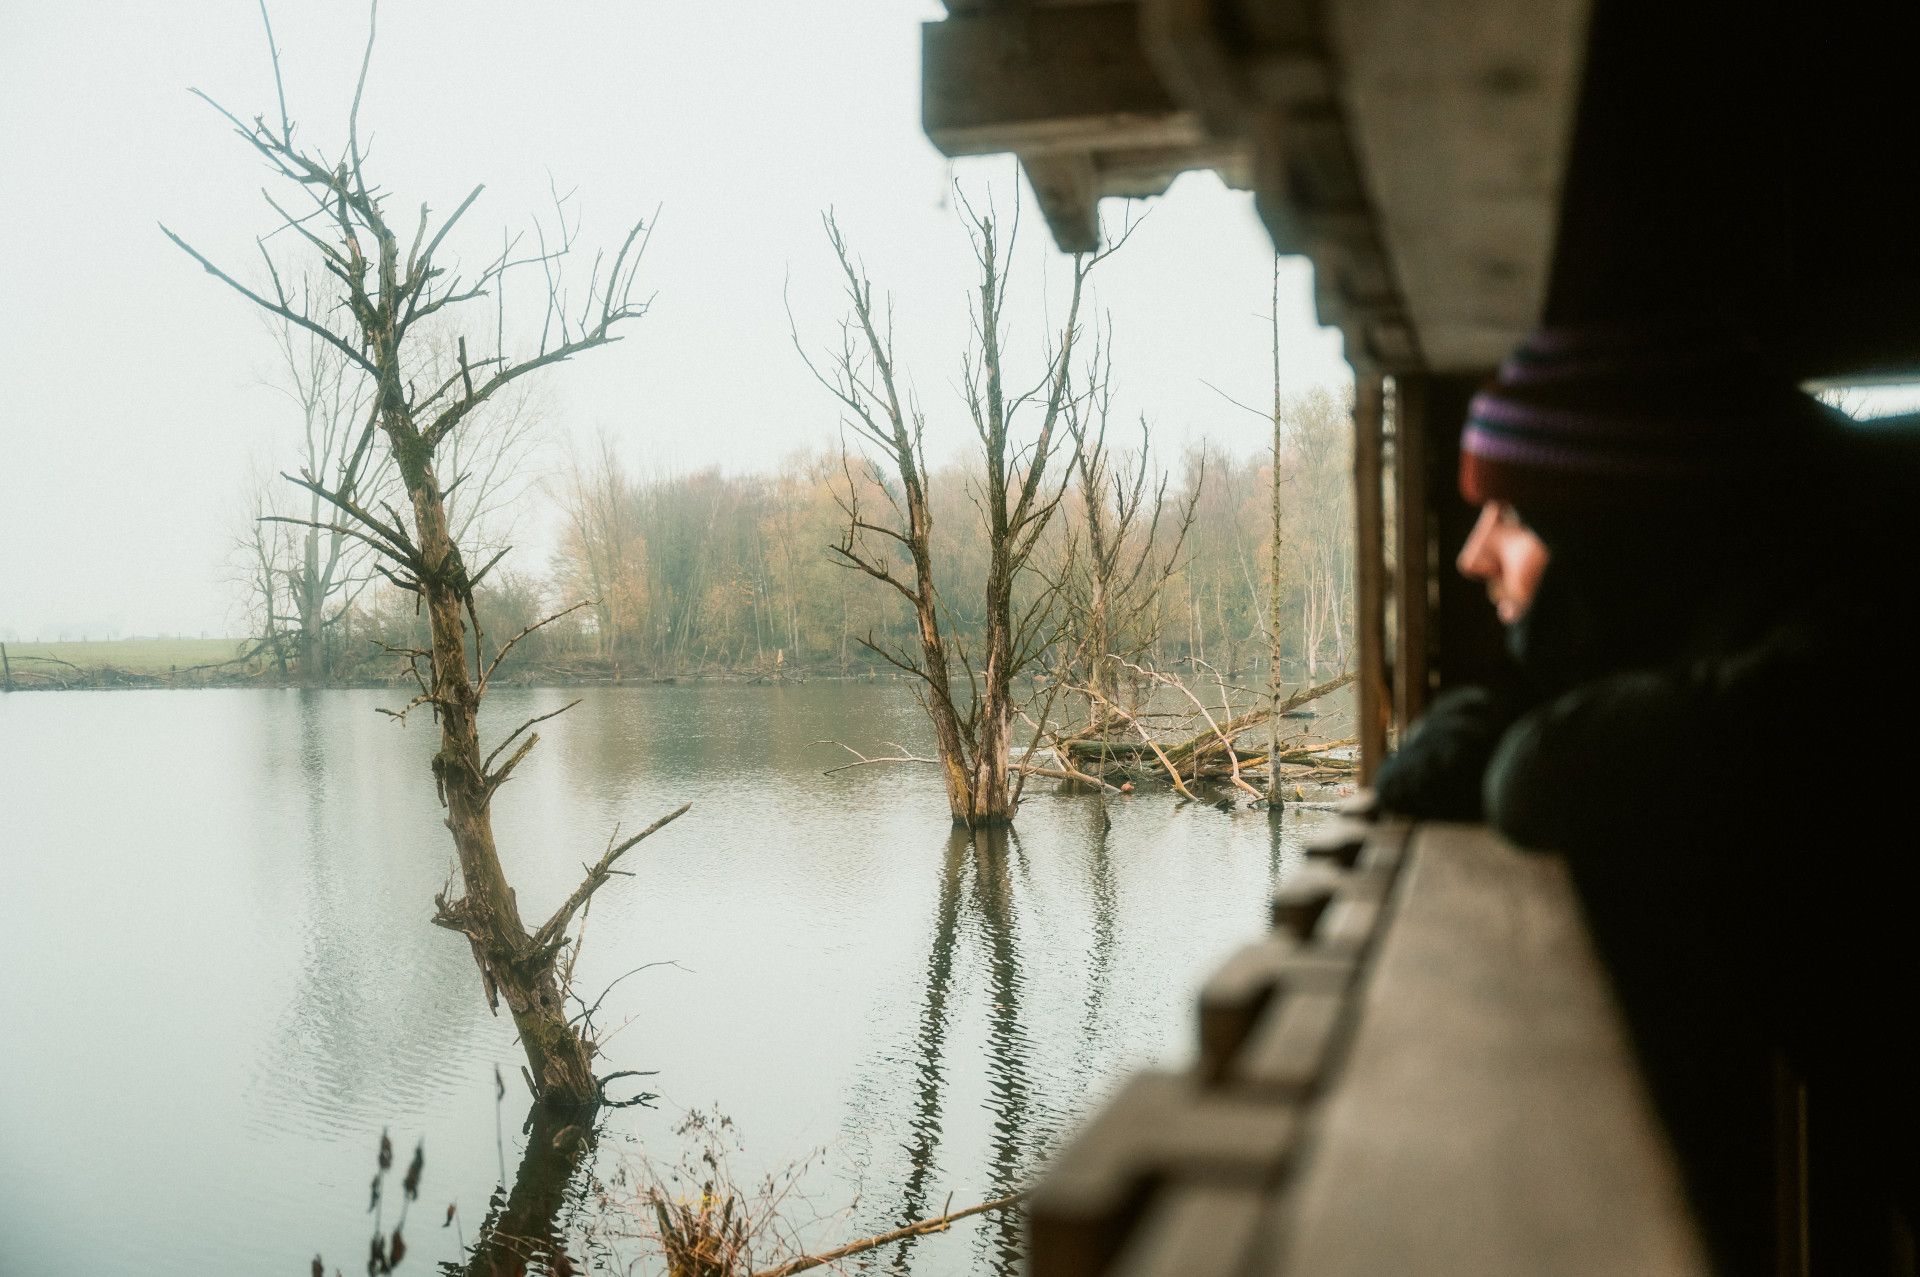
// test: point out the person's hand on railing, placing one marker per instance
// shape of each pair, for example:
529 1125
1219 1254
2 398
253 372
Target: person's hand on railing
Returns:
1437 772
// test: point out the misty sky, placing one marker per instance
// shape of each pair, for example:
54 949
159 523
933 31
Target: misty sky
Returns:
134 389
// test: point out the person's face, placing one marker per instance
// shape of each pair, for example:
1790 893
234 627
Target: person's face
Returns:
1504 552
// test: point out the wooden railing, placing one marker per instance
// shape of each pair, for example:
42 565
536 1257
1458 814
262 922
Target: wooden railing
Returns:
1419 1071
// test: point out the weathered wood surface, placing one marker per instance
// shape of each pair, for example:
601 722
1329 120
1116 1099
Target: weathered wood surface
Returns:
1162 1129
1462 116
1421 1071
1488 1118
1038 81
1195 1230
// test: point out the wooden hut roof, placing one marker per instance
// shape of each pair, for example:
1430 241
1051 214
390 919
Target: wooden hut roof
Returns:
1414 152
1419 154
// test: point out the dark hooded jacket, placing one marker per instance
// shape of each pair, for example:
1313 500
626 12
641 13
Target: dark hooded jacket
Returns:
1710 717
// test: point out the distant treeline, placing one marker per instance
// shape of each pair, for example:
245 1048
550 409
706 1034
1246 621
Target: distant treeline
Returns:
709 573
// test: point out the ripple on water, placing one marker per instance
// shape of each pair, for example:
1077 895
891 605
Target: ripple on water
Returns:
937 1012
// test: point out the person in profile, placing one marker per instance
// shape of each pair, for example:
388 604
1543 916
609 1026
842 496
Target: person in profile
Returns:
1683 546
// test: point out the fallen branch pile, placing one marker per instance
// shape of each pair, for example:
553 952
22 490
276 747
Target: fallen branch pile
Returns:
1202 748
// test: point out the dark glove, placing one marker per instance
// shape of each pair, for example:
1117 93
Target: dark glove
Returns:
1437 771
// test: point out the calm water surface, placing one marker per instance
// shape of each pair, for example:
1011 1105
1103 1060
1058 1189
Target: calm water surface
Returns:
221 983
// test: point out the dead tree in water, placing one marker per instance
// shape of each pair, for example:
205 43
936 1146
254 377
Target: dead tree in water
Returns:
389 288
1113 595
972 712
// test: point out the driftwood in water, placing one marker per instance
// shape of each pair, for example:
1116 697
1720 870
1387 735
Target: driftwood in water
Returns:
1099 750
1200 745
1211 755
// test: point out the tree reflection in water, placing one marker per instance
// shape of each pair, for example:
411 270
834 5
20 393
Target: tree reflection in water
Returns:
527 1230
1105 889
543 1225
977 886
931 1040
1008 1067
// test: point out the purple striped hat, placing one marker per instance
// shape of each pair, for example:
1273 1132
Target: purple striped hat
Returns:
1610 418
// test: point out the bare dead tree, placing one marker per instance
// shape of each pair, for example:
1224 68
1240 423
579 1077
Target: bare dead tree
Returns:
1269 616
327 569
1322 444
600 550
1273 559
971 707
1132 543
389 289
264 555
489 463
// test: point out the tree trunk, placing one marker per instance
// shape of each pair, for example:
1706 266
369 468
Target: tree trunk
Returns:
1102 673
990 800
309 600
488 913
1273 575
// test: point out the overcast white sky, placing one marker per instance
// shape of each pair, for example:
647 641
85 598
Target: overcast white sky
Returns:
132 393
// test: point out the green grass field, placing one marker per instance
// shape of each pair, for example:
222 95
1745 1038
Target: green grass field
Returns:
146 656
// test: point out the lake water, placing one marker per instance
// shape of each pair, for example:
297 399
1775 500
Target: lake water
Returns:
221 983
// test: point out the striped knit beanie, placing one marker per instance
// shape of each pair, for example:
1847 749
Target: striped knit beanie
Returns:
1613 419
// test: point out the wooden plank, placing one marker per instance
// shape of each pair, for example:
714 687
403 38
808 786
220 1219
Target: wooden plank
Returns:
1301 899
1141 171
1339 841
1069 185
1191 55
1039 80
1461 118
1285 1058
1488 1118
1352 920
1194 1230
1250 983
1333 911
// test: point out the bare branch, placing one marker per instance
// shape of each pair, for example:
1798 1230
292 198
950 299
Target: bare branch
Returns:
496 779
278 308
508 646
553 928
937 1224
862 760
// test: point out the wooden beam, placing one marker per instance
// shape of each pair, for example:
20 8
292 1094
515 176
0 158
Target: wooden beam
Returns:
1189 51
1370 555
1413 549
1309 191
1050 79
1460 118
1065 186
1139 172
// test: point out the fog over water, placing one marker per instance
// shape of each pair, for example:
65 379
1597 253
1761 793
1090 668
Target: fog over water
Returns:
134 389
223 983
